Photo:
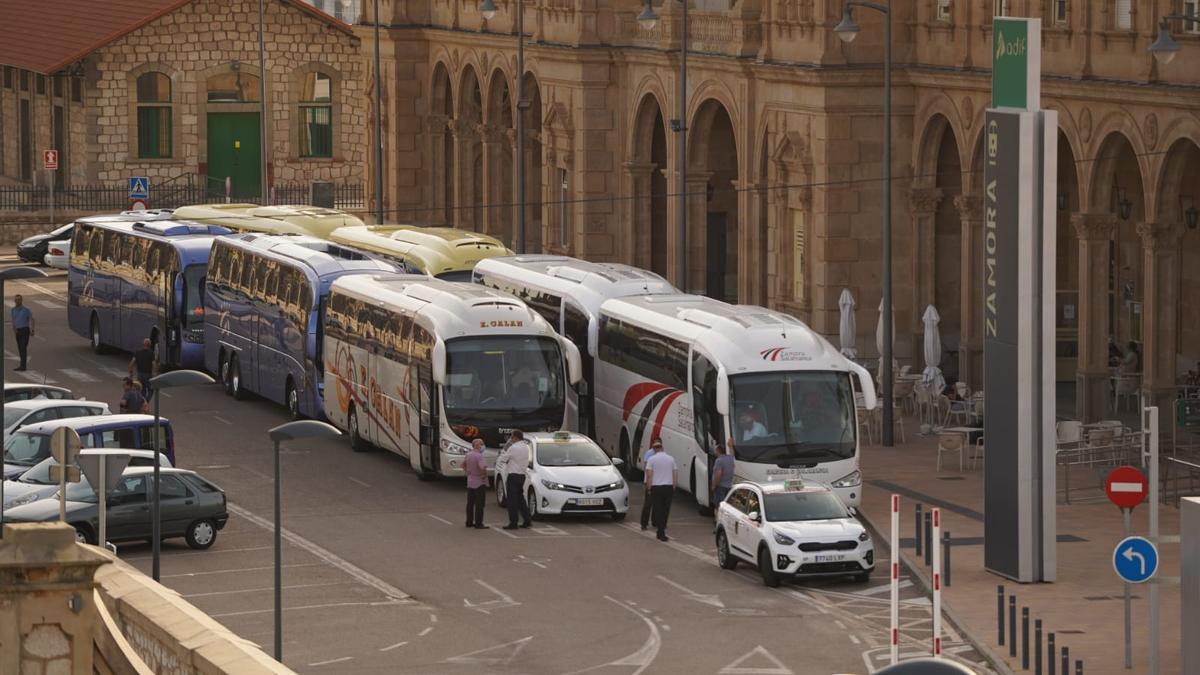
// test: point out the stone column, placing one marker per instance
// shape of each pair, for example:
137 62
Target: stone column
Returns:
494 168
922 205
464 167
639 215
1093 394
970 355
1160 313
441 193
697 237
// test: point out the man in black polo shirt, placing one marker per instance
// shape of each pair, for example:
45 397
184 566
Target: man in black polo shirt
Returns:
143 366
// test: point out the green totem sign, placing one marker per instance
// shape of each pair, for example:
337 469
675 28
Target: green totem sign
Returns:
1016 63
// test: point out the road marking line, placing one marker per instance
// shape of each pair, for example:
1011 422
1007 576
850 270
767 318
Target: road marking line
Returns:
236 569
329 557
433 618
355 480
427 631
222 420
113 372
644 656
331 661
883 588
391 647
759 653
40 289
37 377
262 590
325 606
854 639
215 467
439 519
76 374
487 606
203 553
48 304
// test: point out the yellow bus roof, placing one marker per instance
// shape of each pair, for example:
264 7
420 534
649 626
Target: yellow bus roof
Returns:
279 219
436 250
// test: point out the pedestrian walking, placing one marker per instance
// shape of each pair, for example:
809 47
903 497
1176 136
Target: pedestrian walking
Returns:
661 474
514 461
655 446
143 366
722 479
24 325
132 400
476 470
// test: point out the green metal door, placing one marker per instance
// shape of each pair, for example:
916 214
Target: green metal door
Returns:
233 151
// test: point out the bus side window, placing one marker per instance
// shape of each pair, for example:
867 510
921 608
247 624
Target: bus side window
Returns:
708 430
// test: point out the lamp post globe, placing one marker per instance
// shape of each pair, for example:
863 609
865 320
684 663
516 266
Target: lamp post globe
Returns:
1165 47
647 19
847 30
488 9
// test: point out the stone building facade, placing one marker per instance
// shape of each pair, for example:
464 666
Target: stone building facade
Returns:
176 92
784 138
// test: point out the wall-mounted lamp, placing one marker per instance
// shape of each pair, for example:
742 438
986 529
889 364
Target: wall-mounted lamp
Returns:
1062 201
1191 215
1124 205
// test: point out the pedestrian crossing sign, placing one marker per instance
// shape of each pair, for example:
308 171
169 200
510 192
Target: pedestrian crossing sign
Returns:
139 187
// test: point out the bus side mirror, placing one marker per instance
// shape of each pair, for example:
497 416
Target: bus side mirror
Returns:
722 392
574 366
866 383
438 357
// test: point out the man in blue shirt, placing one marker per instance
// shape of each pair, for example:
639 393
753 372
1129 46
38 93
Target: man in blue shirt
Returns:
23 325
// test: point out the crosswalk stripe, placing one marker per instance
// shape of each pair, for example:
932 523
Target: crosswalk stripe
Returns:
79 375
114 372
882 588
48 304
35 376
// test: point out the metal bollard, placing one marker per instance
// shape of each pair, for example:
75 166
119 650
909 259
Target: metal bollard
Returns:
1000 612
1051 652
928 538
1012 626
918 537
1066 660
1037 647
1025 638
946 558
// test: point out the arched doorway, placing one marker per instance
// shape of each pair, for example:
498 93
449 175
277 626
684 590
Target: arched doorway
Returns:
649 172
501 196
231 129
469 151
1066 307
1179 202
713 204
951 271
1118 188
534 163
442 146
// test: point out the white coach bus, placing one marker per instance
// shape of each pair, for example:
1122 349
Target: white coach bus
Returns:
568 292
421 367
697 371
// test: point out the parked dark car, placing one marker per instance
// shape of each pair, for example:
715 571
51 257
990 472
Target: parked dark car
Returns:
33 249
192 508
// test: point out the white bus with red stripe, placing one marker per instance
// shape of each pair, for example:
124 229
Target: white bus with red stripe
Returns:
696 371
568 293
421 367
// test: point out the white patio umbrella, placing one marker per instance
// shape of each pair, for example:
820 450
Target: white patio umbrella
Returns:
846 324
933 351
879 341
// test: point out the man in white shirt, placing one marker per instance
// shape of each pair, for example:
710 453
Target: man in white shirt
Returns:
514 460
661 474
750 427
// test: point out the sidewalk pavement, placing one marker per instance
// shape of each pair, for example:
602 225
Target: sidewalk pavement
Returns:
1083 607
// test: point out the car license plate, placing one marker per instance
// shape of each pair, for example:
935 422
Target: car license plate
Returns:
589 502
828 558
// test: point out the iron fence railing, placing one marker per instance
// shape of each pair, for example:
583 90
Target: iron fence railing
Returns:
169 194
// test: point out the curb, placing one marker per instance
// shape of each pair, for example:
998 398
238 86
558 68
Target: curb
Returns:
926 584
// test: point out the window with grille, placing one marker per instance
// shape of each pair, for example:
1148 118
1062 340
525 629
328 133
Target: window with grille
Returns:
1123 15
943 10
316 116
1058 11
999 7
153 116
1191 8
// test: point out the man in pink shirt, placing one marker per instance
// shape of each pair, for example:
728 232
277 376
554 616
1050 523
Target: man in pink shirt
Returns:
476 470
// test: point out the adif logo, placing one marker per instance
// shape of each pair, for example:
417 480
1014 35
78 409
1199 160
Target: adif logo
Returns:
782 354
1013 47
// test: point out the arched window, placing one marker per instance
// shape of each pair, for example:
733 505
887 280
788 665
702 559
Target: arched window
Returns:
316 115
153 116
233 86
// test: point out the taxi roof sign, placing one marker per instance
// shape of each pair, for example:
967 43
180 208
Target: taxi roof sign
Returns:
562 436
793 485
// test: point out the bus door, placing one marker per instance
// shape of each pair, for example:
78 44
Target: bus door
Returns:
708 425
427 406
581 407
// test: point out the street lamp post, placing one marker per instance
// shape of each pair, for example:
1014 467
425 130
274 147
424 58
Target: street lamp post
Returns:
378 126
175 378
6 275
289 431
847 30
488 9
1165 47
647 19
262 129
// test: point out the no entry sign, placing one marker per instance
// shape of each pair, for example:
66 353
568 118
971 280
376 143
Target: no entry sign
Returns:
1126 487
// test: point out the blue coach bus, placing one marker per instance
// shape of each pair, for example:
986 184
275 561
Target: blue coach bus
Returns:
263 312
129 281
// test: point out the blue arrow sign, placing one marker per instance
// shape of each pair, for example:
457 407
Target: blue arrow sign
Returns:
1135 559
139 187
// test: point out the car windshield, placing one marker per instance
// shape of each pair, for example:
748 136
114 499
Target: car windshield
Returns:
578 453
39 474
794 506
514 380
797 417
11 417
81 492
26 449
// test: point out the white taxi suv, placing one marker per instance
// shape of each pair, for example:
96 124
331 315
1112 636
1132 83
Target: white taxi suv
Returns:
793 529
569 474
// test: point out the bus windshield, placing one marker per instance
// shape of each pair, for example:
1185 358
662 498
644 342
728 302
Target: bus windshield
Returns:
801 417
193 277
511 380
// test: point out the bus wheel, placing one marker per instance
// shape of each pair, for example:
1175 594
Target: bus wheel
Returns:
97 341
292 400
235 379
630 468
223 371
357 443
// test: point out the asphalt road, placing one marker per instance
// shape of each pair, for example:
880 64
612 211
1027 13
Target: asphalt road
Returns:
380 576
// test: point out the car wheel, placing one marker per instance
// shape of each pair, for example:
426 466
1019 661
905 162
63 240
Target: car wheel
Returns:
83 534
97 340
235 378
201 534
862 577
500 492
770 577
724 556
533 510
357 443
618 516
292 400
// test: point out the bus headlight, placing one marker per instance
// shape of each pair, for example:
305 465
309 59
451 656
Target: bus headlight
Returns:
849 480
452 448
